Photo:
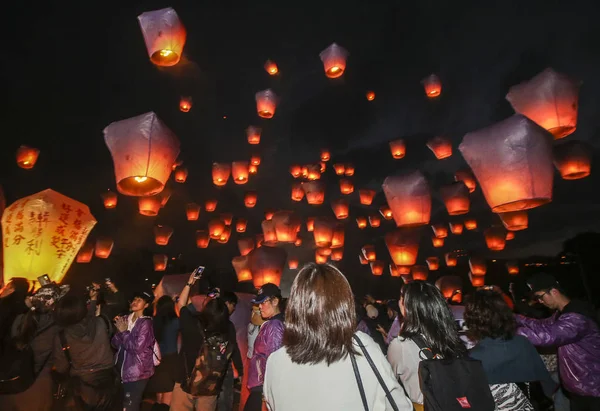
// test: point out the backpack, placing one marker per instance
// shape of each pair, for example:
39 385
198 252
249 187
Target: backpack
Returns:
452 384
210 366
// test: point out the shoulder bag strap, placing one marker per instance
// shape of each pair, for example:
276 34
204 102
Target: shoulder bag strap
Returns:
388 394
361 389
65 346
423 348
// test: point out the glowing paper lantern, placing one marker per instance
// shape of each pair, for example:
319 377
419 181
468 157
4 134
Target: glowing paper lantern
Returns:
149 206
433 263
292 263
226 218
467 177
27 157
245 245
266 265
181 174
323 232
240 225
286 226
403 246
432 85
512 161
456 198
295 170
160 262
441 147
143 151
315 192
339 169
269 214
386 212
242 270
164 196
320 258
266 103
341 208
477 280
202 238
409 198
419 272
297 192
334 60
252 169
325 155
313 172
368 251
437 242
471 224
192 211
573 159
346 186
224 237
495 238
162 234
457 228
440 230
512 267
337 254
451 259
255 160
515 220
550 99
185 104
250 199
210 205
109 199
326 251
164 36
362 260
253 134
377 267
366 196
370 95
323 166
310 224
239 172
450 287
374 220
216 228
477 265
361 222
271 68
269 233
348 170
85 254
298 242
398 149
394 271
337 241
221 172
407 278
510 235
103 248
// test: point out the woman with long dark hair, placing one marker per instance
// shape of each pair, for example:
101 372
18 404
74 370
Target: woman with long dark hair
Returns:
427 315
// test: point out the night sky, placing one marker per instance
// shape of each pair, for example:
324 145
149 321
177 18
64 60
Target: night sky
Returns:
73 69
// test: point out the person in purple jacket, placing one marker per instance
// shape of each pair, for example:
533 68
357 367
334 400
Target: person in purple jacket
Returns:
574 330
135 344
268 340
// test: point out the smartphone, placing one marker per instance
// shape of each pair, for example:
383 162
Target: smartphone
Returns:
44 280
198 272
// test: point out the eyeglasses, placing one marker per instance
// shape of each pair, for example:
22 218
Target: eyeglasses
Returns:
540 297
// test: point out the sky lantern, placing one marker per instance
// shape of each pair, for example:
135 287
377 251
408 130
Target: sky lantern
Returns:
403 246
337 241
240 225
160 262
477 280
510 235
398 149
573 159
210 205
471 224
451 259
143 151
102 249
394 271
432 85
109 199
467 177
221 172
27 157
224 237
216 228
325 155
433 263
456 228
377 267
295 170
477 265
298 242
362 260
315 192
323 166
437 242
246 245
202 238
419 272
286 226
334 60
192 211
149 206
269 212
337 254
313 172
370 95
513 267
85 254
324 251
515 220
407 278
253 134
366 196
374 220
266 265
250 198
386 212
242 271
226 218
259 240
255 160
441 147
495 238
239 172
164 36
348 170
266 103
185 104
252 169
320 258
512 161
440 230
323 232
361 222
409 198
341 208
162 234
451 287
297 192
269 233
310 224
271 68
550 99
164 196
292 263
456 198
368 251
339 169
181 174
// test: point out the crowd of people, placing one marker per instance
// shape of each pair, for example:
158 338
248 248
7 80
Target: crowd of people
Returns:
319 349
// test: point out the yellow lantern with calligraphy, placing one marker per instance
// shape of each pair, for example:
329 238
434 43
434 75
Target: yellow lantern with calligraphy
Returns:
221 172
185 104
467 177
432 85
361 222
164 35
242 270
42 234
149 206
377 267
366 196
419 272
398 149
266 265
246 245
103 247
239 172
109 199
85 254
334 60
160 262
409 198
202 238
250 199
266 103
162 234
27 157
192 211
210 205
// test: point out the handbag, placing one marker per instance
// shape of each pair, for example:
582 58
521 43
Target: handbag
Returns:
361 388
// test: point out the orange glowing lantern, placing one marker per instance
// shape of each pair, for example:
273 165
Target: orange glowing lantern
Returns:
394 271
467 177
202 238
366 196
477 280
441 147
403 246
103 248
192 211
313 172
181 174
370 95
323 232
143 151
324 251
259 240
323 166
221 172
573 159
437 242
456 228
550 99
362 260
456 198
292 263
512 267
368 251
477 265
495 238
162 234
310 224
510 235
240 225
224 237
348 170
297 192
386 212
337 241
433 263
315 192
109 199
160 262
398 149
216 228
269 233
295 170
250 199
255 160
339 169
149 206
471 224
226 218
450 287
27 157
440 230
165 195
337 254
346 186
361 222
374 220
298 242
325 155
185 104
320 258
239 172
164 36
85 254
377 267
514 220
271 68
253 134
210 205
409 198
269 214
433 86
242 271
252 169
419 272
245 245
286 226
341 208
266 103
451 259
407 278
334 60
404 270
266 265
519 174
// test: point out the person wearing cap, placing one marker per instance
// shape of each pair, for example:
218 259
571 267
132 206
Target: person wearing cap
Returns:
268 340
574 330
135 344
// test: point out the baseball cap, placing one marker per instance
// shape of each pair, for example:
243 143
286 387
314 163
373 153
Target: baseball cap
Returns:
268 290
144 295
541 282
